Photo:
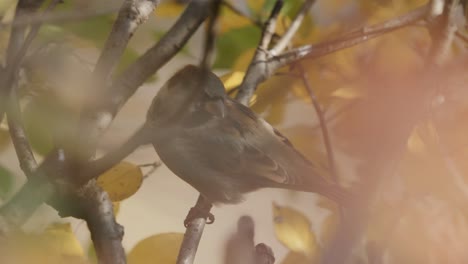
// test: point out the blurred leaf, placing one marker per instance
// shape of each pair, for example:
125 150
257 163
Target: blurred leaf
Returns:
56 245
416 143
394 56
297 258
233 43
4 139
5 5
61 238
169 9
255 6
100 26
37 125
232 80
292 229
331 222
289 8
156 249
47 122
242 62
230 20
116 207
7 181
309 142
121 181
350 92
92 257
128 57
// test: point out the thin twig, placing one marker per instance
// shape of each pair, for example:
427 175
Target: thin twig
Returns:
18 136
132 14
258 23
62 16
210 34
258 68
154 166
291 31
356 37
193 233
15 44
21 143
323 125
135 75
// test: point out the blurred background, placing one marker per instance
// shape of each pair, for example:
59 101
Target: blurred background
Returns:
418 216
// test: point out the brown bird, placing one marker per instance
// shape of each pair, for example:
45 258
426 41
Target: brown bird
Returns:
221 147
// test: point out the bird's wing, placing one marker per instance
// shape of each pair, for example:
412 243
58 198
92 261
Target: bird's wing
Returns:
236 144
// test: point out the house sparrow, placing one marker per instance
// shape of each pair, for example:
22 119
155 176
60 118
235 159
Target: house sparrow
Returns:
221 147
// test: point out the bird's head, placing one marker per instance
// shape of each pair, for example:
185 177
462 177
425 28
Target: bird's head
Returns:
187 88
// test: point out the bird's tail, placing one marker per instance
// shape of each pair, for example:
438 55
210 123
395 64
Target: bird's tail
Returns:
342 196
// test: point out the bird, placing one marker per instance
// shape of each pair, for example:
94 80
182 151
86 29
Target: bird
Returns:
221 147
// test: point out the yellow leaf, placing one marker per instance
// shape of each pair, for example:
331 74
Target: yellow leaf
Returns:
4 139
297 258
243 61
56 245
169 9
331 222
230 20
116 207
292 229
61 238
232 80
395 55
5 5
156 249
255 5
416 143
121 181
347 92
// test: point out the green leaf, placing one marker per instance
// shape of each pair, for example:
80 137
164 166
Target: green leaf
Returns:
290 7
94 29
233 43
6 182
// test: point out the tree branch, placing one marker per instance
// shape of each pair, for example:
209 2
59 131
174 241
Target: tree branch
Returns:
258 68
132 14
33 193
323 125
134 76
194 232
15 44
106 233
41 189
22 147
296 23
348 40
21 143
442 26
264 63
62 16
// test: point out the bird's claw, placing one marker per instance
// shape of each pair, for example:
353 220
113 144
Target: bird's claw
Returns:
195 213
